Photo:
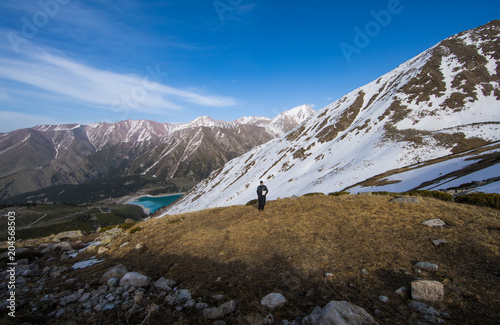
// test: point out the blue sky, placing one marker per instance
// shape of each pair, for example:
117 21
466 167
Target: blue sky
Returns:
71 61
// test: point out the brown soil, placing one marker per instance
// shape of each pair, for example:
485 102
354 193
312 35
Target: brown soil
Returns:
245 255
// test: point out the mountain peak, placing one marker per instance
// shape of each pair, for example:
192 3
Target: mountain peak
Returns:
299 113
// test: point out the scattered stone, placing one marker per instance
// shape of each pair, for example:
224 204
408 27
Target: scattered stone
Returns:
18 251
190 304
435 223
221 311
124 244
384 299
401 291
427 266
340 312
60 312
201 305
439 242
84 297
102 250
69 234
269 320
108 307
182 296
116 271
139 246
135 279
428 313
228 307
405 199
218 297
213 313
139 295
273 300
164 284
92 248
113 282
427 291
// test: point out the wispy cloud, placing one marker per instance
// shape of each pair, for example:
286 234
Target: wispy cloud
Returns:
148 93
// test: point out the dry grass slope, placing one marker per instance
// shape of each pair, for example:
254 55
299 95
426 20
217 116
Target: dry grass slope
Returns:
291 246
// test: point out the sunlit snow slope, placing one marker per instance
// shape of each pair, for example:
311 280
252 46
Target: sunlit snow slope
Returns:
446 100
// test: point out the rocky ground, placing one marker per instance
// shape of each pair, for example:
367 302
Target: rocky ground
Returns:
98 278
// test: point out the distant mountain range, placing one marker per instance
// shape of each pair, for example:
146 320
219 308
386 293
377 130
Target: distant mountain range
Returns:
431 123
45 156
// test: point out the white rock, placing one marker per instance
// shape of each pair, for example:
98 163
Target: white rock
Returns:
427 291
134 279
439 242
343 312
436 223
273 300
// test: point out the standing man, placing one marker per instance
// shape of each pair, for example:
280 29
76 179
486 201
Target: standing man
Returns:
261 194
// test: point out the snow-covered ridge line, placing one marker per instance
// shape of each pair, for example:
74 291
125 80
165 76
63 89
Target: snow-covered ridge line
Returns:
440 102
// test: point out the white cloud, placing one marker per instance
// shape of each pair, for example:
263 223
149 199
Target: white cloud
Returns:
106 89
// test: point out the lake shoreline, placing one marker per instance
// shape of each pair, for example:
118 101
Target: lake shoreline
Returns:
134 200
133 197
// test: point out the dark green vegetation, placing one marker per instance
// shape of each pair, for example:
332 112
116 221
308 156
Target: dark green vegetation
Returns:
339 193
99 190
481 199
46 219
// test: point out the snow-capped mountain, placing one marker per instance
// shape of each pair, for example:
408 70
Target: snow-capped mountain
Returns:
444 101
46 155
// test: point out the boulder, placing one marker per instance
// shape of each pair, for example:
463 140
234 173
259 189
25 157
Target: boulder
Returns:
182 296
340 312
219 312
427 291
213 313
70 234
273 300
164 284
405 199
116 271
64 245
435 223
135 279
427 266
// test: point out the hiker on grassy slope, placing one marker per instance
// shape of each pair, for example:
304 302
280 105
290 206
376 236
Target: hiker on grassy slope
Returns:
261 194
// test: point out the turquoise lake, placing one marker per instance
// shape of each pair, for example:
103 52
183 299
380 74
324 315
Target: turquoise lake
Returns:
155 203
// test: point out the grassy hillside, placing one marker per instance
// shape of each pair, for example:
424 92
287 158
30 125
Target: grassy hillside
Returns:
41 220
320 248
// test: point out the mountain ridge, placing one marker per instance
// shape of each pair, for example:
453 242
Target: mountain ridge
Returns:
443 101
48 155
